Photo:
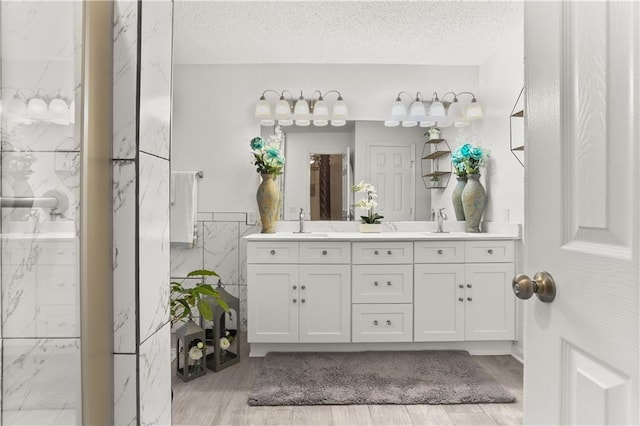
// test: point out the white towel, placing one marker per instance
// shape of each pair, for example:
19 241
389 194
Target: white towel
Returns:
184 206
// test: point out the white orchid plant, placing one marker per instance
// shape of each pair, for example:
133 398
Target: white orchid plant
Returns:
368 203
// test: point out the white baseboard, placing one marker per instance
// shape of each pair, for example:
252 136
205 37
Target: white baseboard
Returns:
474 348
517 352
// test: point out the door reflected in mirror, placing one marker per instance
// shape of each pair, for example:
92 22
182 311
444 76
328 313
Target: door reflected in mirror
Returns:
325 189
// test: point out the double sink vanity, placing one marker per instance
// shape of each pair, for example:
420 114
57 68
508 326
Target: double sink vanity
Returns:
344 291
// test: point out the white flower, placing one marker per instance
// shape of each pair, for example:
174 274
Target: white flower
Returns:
200 345
195 353
224 343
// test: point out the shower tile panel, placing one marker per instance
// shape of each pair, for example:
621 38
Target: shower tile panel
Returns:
185 260
124 256
40 296
154 250
155 77
124 390
125 64
35 371
221 249
155 379
244 230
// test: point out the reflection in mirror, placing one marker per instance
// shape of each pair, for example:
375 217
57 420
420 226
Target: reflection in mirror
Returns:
329 175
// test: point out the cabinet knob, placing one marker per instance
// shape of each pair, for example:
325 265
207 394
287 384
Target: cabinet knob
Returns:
460 286
302 287
469 299
375 252
295 287
388 282
460 299
389 252
375 322
375 283
388 322
295 300
490 251
324 252
440 251
302 300
468 285
272 252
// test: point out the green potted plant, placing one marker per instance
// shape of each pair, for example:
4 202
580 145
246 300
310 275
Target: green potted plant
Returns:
185 299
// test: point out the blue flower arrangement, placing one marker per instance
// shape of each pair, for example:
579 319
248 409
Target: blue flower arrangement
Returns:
468 159
266 157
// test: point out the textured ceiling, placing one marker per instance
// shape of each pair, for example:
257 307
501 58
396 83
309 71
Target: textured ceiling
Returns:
346 32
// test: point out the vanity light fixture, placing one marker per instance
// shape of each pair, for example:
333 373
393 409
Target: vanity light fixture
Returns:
303 112
23 109
434 112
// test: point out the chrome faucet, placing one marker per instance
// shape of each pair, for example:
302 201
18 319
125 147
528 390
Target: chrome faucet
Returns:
301 220
442 216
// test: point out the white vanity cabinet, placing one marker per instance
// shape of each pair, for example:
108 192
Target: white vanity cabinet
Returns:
462 291
298 292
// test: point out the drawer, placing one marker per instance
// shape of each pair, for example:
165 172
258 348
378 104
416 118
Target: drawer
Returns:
489 251
325 252
382 323
382 284
382 253
272 252
439 251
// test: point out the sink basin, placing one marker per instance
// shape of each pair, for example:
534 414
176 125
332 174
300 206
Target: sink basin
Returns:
302 235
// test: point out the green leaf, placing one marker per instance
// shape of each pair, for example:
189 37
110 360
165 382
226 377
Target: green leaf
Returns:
222 303
205 310
207 290
202 273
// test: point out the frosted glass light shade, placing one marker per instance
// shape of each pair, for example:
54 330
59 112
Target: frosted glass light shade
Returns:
303 122
285 122
398 110
340 111
72 112
301 108
391 123
417 109
409 123
282 110
461 123
474 111
320 114
436 110
455 111
444 122
37 106
267 122
427 123
263 109
59 111
338 123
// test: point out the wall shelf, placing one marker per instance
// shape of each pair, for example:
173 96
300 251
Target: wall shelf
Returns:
436 164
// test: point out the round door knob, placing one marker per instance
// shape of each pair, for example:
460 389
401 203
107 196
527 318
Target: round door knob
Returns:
389 252
542 284
375 322
375 283
302 300
295 287
324 252
272 252
303 287
469 299
440 252
375 252
460 299
388 322
388 282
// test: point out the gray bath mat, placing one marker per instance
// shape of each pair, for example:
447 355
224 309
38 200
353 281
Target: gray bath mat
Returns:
407 377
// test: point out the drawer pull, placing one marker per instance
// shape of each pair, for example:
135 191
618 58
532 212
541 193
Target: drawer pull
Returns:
302 287
302 300
375 252
388 322
389 252
440 251
324 252
375 322
388 282
490 251
295 287
460 299
375 283
460 286
295 300
272 252
468 285
469 299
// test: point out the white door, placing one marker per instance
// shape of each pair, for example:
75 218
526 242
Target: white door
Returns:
582 203
391 171
325 303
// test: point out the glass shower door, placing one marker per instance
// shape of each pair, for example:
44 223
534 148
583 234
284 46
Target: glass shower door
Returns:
40 182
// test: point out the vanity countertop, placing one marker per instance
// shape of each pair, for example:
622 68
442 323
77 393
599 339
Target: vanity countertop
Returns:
379 236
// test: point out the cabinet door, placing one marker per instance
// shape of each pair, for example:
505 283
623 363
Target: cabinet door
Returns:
438 310
489 302
325 303
272 300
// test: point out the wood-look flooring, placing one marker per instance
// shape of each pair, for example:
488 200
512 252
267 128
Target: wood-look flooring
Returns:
221 399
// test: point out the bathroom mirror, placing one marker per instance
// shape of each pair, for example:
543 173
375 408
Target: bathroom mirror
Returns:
318 173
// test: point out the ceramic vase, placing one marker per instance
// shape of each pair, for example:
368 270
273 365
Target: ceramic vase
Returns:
474 200
456 197
268 197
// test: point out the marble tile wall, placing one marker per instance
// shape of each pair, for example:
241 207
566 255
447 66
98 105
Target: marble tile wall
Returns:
124 390
155 379
220 247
